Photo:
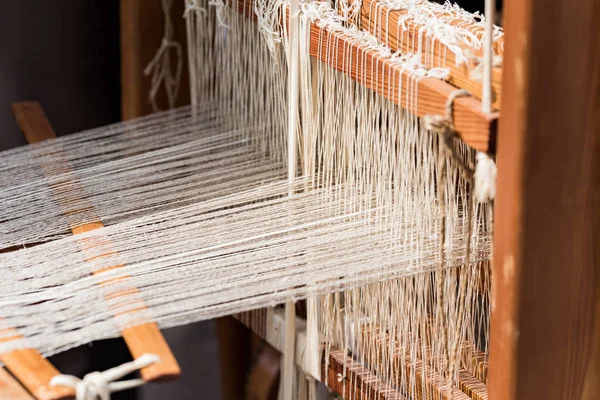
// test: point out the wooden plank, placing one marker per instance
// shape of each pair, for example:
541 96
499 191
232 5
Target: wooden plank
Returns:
142 24
545 326
382 22
144 338
10 389
475 127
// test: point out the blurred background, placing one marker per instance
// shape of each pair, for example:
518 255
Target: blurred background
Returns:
83 61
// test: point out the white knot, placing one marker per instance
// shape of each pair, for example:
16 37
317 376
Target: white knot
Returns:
99 385
477 72
439 73
485 178
192 5
220 12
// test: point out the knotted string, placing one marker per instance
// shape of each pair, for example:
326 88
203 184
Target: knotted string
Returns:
99 385
221 12
160 66
443 125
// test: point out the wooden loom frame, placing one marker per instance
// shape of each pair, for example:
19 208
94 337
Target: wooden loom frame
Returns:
546 313
545 339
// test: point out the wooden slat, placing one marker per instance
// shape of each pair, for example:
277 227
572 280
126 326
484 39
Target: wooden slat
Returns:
382 22
28 365
475 127
145 338
472 386
34 372
10 389
545 327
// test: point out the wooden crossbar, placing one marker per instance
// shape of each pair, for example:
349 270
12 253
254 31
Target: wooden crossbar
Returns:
28 365
476 128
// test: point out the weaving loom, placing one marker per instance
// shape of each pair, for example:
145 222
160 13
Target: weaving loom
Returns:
337 161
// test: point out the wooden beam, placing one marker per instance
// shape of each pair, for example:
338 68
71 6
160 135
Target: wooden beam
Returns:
140 339
545 328
475 127
382 22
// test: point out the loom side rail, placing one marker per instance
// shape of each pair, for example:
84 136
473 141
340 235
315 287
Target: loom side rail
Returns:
28 366
545 323
140 339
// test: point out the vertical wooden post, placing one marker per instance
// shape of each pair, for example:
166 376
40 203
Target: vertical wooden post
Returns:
234 357
546 293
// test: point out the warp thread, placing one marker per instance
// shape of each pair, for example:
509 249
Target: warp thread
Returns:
444 127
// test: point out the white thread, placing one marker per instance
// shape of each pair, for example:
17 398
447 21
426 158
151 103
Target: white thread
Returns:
220 11
485 171
267 20
488 59
294 43
446 23
200 219
192 5
99 385
160 65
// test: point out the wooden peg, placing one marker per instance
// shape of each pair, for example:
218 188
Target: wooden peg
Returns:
140 339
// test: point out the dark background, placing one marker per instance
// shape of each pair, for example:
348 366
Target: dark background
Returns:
65 54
